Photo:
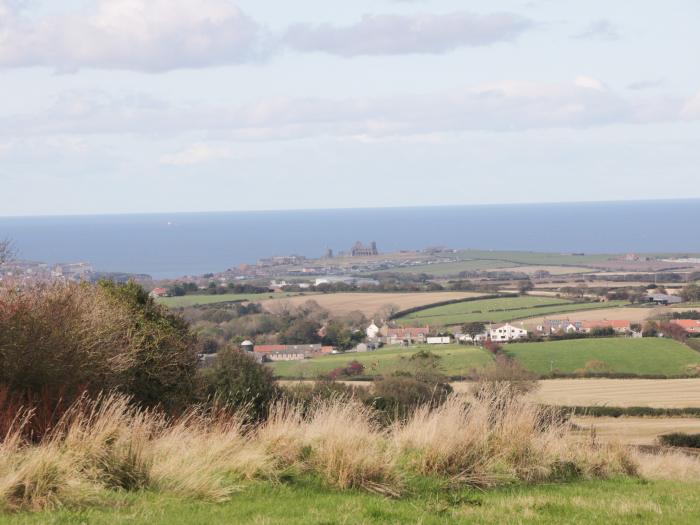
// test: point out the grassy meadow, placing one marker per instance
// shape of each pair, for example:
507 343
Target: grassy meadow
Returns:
454 360
618 501
649 356
497 310
632 356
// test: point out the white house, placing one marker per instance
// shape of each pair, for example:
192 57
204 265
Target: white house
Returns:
466 338
372 331
506 332
443 340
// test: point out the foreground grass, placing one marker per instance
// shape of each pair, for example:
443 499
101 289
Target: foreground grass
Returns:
633 356
455 360
497 310
619 501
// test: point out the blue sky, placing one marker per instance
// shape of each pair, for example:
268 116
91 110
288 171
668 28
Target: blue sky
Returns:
118 106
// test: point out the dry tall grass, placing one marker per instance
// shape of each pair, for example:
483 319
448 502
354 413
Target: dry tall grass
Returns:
107 444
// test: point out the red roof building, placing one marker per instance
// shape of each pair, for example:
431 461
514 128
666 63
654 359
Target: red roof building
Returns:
617 324
691 326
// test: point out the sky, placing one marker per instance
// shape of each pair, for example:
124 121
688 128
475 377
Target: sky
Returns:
127 106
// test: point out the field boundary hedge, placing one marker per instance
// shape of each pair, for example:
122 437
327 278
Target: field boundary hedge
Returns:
609 411
408 311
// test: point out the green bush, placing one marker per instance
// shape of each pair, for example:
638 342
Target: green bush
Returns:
238 380
58 341
396 396
680 439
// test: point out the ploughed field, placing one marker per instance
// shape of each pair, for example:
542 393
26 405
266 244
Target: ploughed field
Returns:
497 310
369 303
648 356
657 393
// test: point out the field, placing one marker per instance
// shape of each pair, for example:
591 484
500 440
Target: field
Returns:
370 303
497 310
455 360
615 502
454 268
632 314
659 393
636 430
191 300
634 356
552 270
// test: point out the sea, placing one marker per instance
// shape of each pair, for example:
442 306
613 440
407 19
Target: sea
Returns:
166 245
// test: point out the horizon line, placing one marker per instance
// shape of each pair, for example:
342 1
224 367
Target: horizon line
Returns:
349 208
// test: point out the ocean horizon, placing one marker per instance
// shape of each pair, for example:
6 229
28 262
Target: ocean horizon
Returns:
167 245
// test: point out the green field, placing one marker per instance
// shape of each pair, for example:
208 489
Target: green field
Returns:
535 258
192 300
485 260
497 310
454 268
633 356
455 360
614 502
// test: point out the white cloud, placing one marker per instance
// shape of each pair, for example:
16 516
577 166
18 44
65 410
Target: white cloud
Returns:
144 35
500 106
395 34
589 83
691 110
599 30
196 154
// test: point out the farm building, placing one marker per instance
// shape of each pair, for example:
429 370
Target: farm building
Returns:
159 292
466 338
372 331
691 326
553 326
618 325
406 334
665 299
291 352
506 332
443 340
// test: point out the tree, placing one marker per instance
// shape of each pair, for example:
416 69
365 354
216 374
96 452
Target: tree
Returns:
337 334
473 328
7 252
301 331
386 312
691 293
525 286
241 382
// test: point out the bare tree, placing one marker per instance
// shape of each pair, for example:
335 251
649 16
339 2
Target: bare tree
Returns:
7 251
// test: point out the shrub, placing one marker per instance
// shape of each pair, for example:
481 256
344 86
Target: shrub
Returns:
352 369
398 395
506 377
58 341
680 439
306 393
594 367
238 380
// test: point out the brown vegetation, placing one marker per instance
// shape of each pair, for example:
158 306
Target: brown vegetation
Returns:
109 444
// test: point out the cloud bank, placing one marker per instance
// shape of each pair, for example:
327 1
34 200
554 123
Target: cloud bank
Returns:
496 107
162 35
394 34
142 35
